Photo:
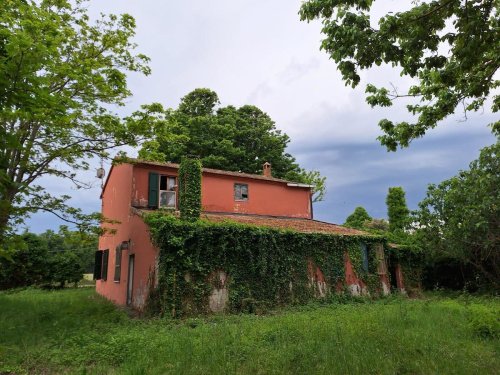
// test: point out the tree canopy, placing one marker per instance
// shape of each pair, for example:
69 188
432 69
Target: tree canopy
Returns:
229 138
48 258
397 210
60 76
358 219
460 217
450 48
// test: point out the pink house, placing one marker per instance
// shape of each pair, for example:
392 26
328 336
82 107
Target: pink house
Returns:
126 262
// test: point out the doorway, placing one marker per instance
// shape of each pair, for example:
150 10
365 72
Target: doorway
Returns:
130 279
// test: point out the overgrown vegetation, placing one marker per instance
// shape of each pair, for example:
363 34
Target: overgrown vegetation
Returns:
458 223
190 189
76 331
265 266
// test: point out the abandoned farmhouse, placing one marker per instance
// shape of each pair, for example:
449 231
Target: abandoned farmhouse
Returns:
258 241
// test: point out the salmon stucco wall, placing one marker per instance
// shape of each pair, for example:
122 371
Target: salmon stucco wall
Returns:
265 197
131 228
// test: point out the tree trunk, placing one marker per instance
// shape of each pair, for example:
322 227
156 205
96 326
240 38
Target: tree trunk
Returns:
6 211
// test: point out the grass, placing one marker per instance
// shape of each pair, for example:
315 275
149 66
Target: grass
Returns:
77 332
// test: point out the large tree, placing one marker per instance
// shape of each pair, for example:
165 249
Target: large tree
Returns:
229 138
450 49
460 218
60 76
397 210
358 219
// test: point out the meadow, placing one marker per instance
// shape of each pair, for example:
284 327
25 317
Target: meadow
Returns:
74 331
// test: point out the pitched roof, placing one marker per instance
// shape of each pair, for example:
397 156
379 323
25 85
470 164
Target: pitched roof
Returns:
296 224
214 171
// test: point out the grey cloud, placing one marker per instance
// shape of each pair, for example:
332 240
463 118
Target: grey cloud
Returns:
260 53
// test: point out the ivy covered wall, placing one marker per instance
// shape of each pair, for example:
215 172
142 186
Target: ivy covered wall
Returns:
249 267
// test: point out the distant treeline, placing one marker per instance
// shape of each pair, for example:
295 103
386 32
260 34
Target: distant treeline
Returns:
49 259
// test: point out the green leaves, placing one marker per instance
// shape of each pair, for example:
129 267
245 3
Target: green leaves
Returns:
190 189
397 211
450 47
263 264
60 77
459 218
358 219
234 139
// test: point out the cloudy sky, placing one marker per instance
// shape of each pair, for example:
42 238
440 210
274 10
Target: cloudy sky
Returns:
258 52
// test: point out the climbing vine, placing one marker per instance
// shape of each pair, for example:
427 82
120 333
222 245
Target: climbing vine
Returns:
190 189
264 266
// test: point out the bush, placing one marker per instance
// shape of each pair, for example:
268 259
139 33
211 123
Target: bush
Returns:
484 322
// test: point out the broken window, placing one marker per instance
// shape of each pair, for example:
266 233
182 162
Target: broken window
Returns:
168 195
240 192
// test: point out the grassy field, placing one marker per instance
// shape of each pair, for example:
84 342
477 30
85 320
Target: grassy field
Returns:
77 332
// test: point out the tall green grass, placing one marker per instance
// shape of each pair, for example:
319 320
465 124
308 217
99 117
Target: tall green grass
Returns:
77 332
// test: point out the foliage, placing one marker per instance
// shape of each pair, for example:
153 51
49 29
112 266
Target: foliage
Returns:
460 217
190 189
358 218
397 211
484 322
449 49
76 332
48 258
233 139
265 265
377 225
61 75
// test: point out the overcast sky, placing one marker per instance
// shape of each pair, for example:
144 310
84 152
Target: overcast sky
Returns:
258 52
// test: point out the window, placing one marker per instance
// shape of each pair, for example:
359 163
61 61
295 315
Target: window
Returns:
101 265
118 263
168 195
240 192
364 257
98 265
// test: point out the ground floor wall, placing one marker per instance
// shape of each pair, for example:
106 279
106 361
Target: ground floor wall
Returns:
136 281
138 268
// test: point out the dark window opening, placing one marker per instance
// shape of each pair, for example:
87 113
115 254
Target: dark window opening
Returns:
98 265
105 259
364 257
240 192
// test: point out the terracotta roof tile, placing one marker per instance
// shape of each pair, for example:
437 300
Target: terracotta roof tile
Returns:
296 224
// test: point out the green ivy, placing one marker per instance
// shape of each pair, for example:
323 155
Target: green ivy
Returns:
190 189
265 266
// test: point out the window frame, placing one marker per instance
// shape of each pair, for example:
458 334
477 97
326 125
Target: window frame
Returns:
172 190
118 263
365 257
235 191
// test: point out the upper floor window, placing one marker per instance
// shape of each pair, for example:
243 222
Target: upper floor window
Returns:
168 195
240 192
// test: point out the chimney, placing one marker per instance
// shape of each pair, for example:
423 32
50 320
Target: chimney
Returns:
266 169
